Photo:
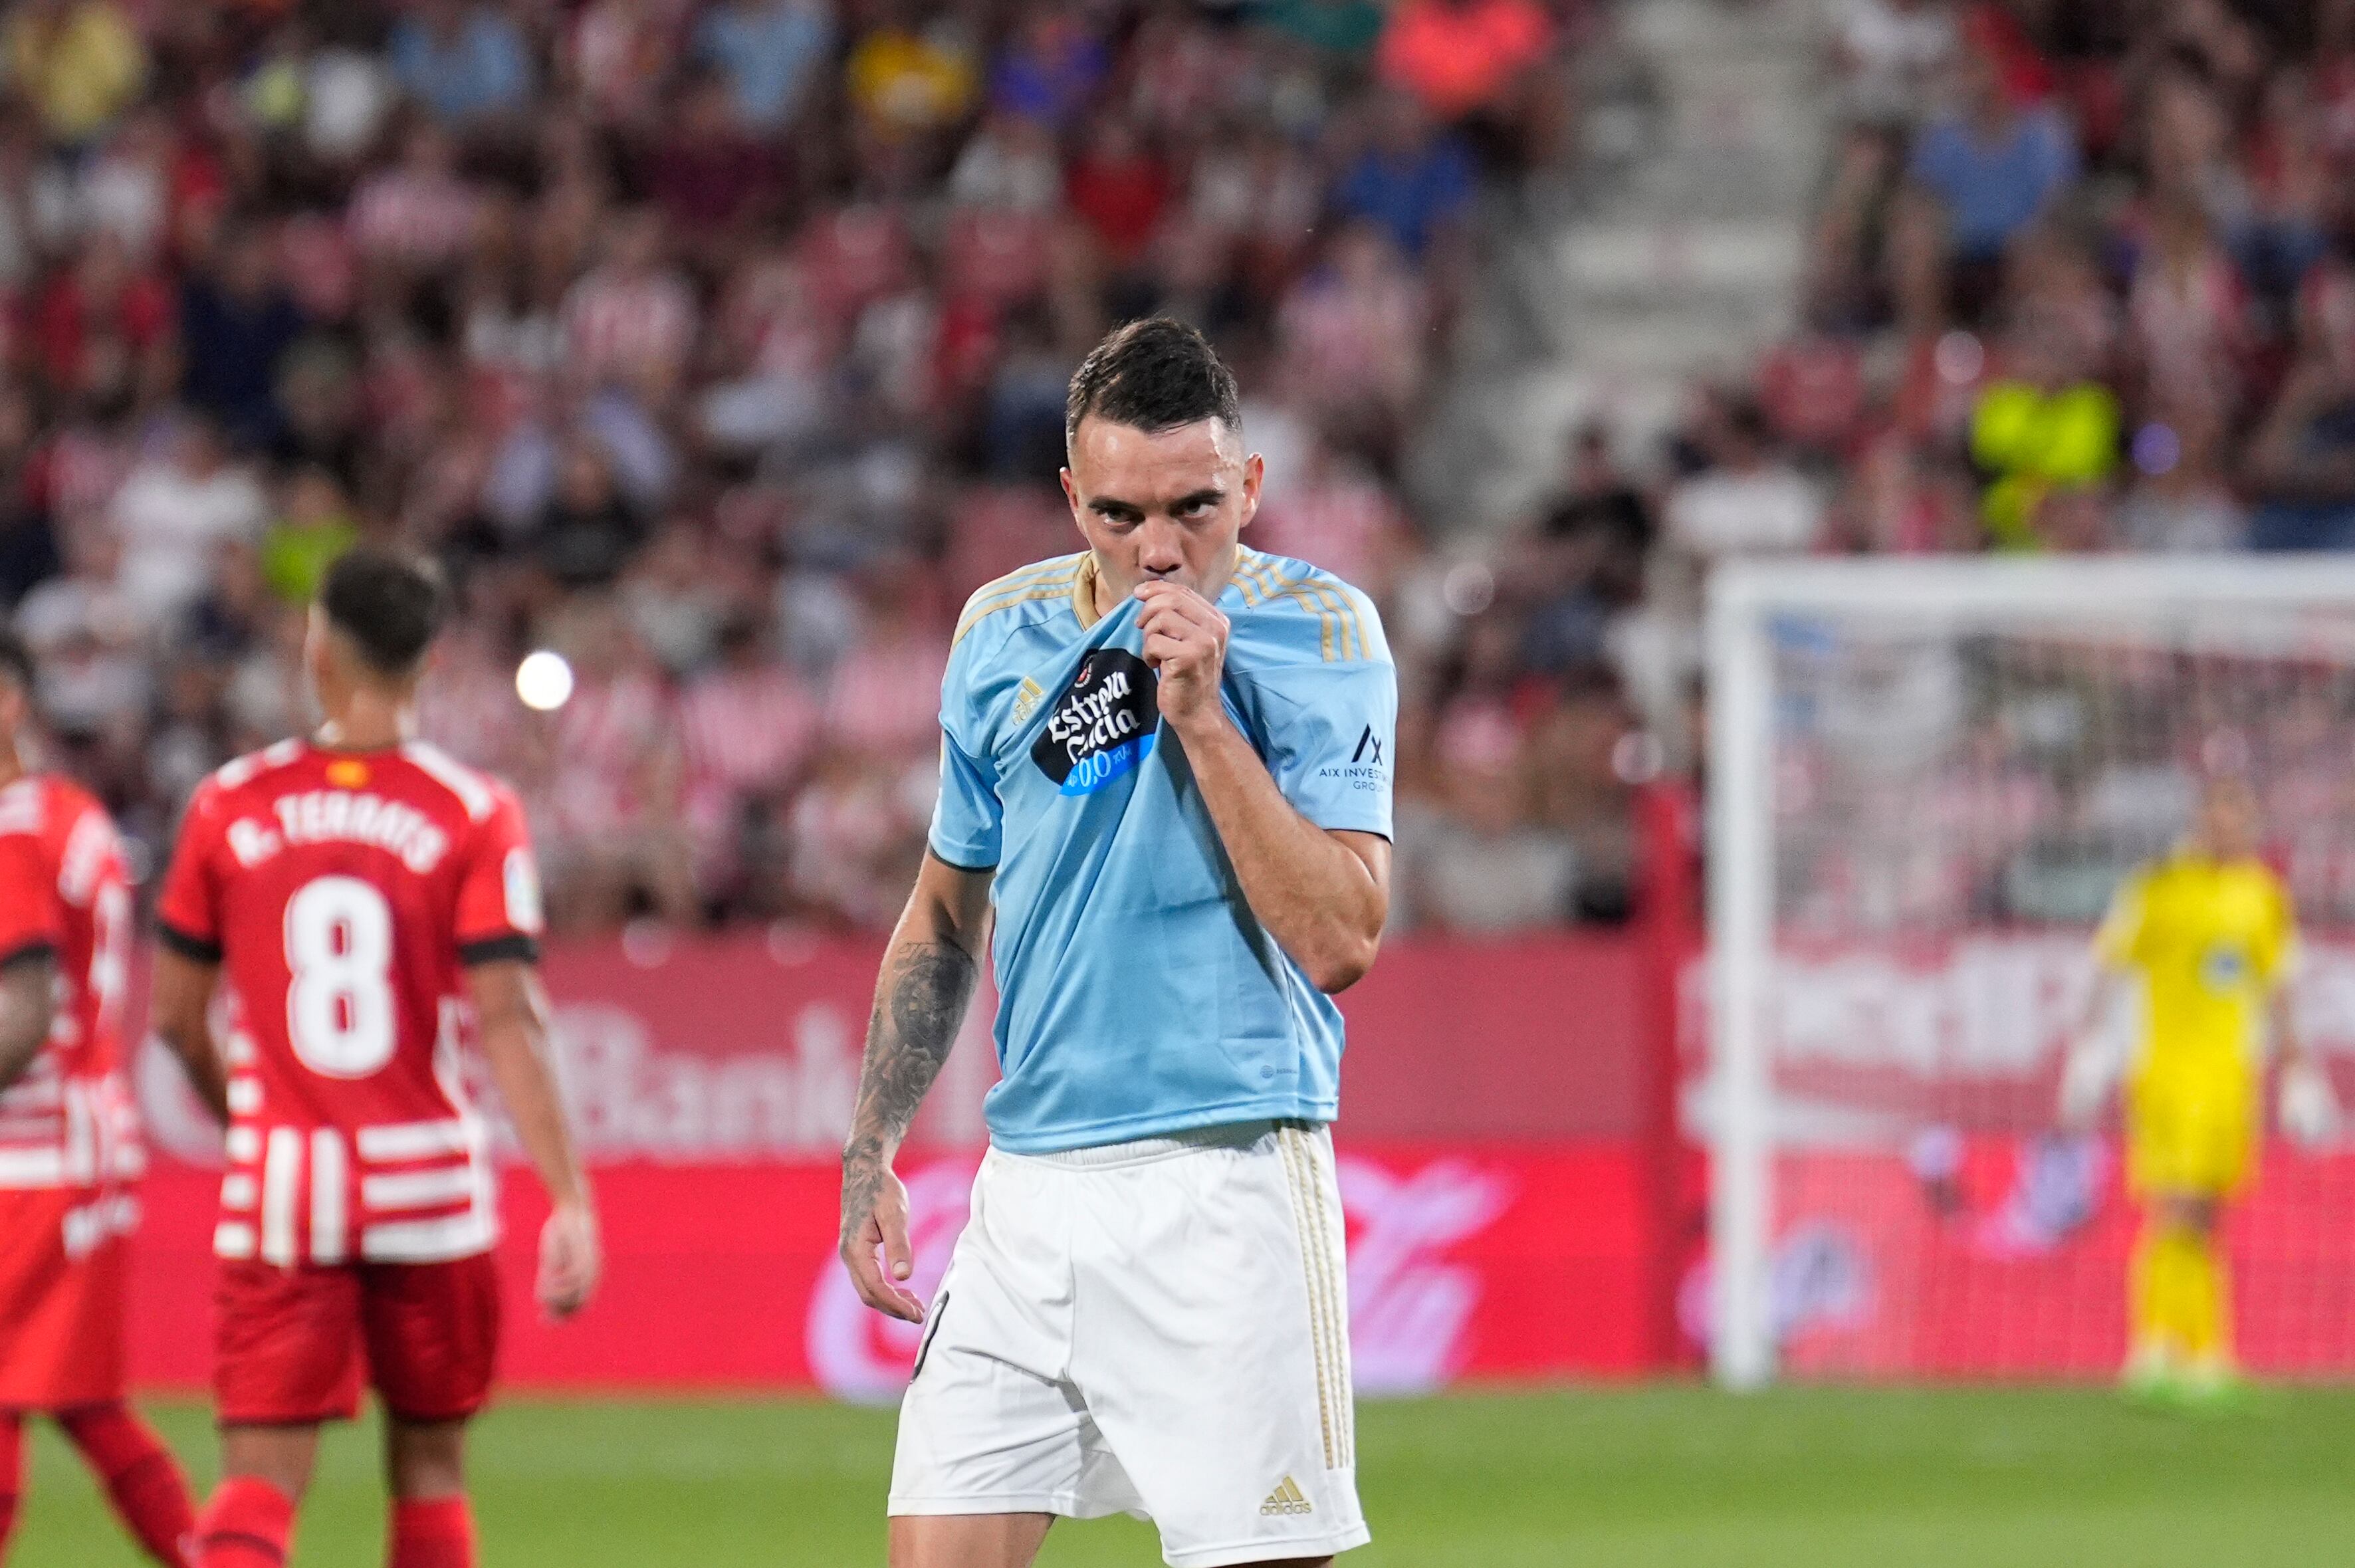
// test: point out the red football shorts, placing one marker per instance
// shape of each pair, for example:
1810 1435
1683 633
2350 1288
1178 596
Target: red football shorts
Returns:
62 1271
290 1342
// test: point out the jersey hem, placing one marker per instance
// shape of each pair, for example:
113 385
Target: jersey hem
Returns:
1064 1140
1255 1551
185 945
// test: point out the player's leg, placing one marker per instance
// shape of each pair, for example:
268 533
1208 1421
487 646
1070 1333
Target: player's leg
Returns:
12 1474
1214 1353
285 1359
249 1523
431 1525
2202 1305
142 1478
993 1444
432 1333
968 1541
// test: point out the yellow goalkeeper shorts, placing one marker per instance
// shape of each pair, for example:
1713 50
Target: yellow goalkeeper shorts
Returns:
2190 1128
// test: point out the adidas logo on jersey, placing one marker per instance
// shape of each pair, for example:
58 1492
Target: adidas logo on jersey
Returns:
1287 1498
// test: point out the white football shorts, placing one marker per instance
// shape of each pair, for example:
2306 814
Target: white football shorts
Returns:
1158 1327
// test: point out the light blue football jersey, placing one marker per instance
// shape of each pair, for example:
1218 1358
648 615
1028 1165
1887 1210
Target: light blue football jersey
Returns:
1137 994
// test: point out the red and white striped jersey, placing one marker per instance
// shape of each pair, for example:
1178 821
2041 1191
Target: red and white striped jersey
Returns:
70 1120
343 892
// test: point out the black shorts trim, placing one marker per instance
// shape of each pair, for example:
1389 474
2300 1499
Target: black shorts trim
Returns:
40 950
195 948
515 945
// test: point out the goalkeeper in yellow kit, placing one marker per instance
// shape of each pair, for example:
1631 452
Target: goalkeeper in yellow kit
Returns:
2208 939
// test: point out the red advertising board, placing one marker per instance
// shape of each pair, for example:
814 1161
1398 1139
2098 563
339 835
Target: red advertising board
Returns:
1497 1220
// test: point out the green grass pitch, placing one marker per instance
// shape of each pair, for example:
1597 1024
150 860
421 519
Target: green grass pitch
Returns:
1629 1478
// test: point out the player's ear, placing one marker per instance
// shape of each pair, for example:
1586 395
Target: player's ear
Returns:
1071 498
1254 472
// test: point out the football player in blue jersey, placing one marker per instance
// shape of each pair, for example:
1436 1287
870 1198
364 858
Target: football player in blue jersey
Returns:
1164 771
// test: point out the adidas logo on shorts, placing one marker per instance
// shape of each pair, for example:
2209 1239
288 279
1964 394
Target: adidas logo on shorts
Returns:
1286 1499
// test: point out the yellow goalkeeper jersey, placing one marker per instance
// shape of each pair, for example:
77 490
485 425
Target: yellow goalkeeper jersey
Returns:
2210 939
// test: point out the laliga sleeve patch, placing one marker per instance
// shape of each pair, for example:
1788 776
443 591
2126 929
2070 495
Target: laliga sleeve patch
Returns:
522 877
1102 725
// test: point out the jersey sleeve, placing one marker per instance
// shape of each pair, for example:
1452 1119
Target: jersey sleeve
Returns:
187 911
499 911
28 910
968 817
1331 732
2118 941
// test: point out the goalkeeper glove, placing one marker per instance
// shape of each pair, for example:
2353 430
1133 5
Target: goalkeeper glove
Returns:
2309 1110
2087 1078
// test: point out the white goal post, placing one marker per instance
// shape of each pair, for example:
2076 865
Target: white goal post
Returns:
2285 609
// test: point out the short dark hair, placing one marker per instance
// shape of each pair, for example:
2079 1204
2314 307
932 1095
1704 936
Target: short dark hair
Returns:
16 658
388 601
1153 375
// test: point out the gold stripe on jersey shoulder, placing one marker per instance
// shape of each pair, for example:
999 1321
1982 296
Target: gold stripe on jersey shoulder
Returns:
1337 614
1050 582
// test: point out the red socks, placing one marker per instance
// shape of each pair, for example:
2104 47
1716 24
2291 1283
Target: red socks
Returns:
12 1473
247 1525
431 1532
141 1476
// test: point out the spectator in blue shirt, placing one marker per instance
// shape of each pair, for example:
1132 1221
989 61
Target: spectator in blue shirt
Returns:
1412 181
464 63
237 322
1991 165
770 52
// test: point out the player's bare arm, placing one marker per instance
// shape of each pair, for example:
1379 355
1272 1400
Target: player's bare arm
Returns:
920 1001
1323 894
180 1008
28 992
511 1018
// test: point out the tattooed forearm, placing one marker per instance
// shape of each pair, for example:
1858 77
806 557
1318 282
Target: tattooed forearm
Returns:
920 1004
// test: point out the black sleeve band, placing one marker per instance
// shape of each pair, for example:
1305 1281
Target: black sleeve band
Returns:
514 946
952 865
37 951
194 948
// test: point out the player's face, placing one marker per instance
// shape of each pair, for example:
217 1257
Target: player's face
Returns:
2228 821
1166 506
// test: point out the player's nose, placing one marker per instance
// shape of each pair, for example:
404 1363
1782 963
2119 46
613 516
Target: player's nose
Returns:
1158 549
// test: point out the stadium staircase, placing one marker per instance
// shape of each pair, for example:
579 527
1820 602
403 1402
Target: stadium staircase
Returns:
1671 252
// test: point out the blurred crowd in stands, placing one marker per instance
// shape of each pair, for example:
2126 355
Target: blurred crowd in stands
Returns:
2082 279
720 347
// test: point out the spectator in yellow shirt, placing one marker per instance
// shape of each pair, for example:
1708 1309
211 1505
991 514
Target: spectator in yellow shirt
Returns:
80 63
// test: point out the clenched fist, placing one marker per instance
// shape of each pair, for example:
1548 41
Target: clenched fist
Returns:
1186 643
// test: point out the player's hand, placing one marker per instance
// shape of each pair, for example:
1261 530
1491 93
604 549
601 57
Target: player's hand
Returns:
2309 1111
1186 643
875 1217
571 1260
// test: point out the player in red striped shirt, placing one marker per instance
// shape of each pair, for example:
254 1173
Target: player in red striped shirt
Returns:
354 892
68 1138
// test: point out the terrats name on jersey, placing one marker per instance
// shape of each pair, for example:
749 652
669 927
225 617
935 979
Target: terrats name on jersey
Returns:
343 893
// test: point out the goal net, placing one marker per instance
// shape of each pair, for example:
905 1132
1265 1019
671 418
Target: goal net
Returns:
1926 781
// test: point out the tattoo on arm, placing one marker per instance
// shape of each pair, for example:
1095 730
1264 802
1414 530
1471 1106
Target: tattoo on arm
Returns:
919 1004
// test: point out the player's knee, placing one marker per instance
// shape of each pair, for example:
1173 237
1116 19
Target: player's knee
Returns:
425 1459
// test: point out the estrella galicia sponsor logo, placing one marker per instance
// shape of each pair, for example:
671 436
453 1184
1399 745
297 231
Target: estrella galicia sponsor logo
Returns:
1365 769
1101 726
